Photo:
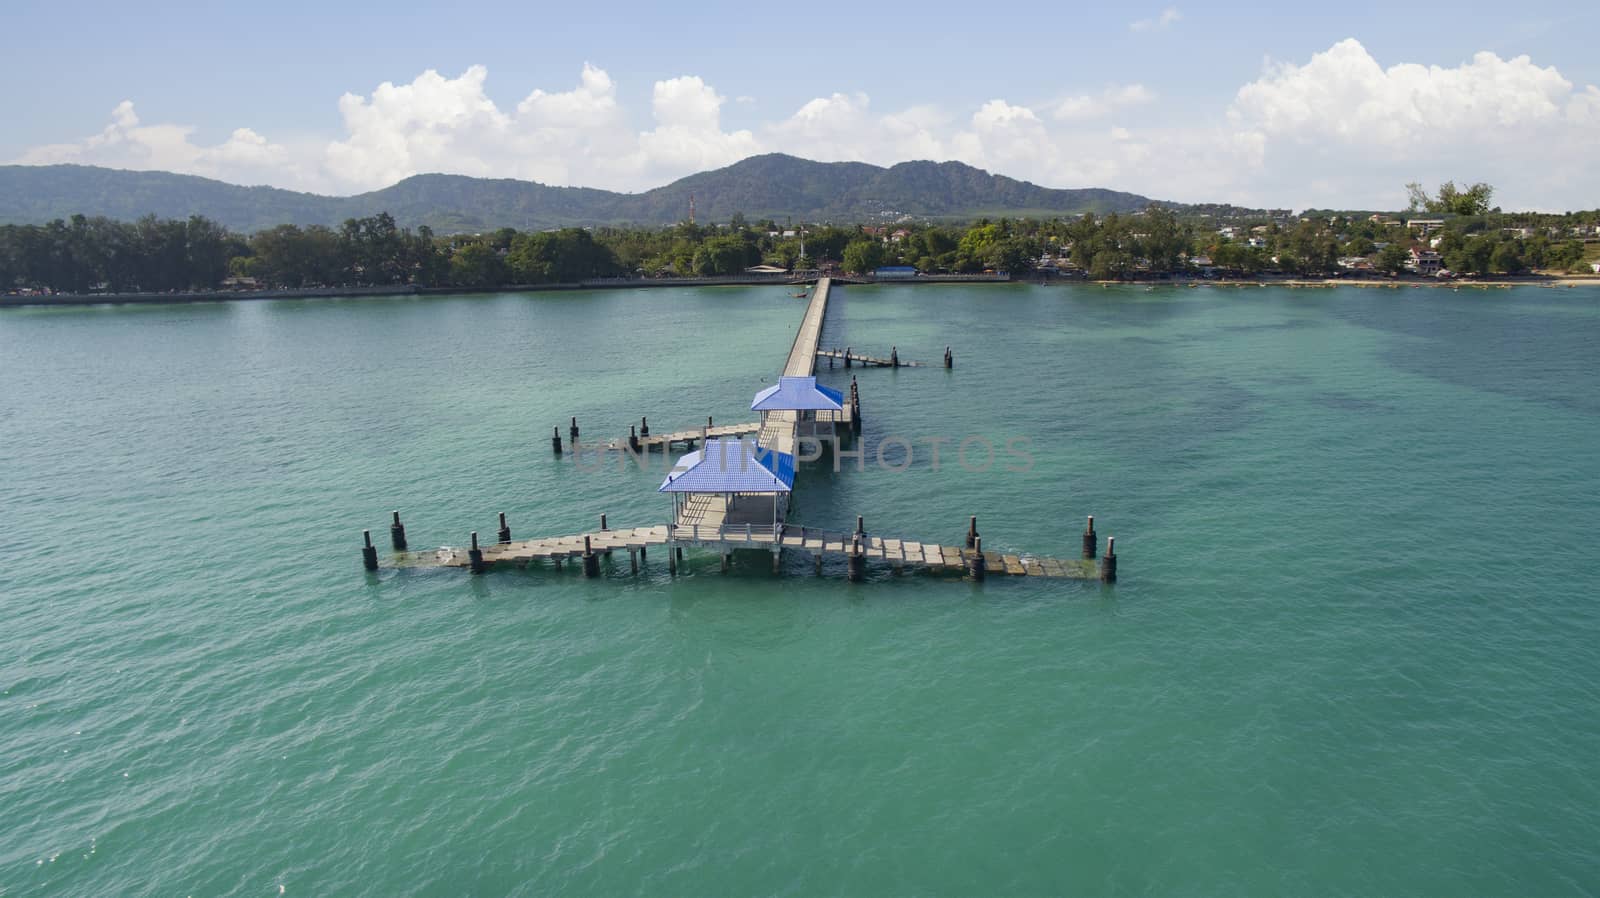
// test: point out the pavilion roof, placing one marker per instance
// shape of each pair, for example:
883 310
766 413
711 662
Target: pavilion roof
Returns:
731 466
798 394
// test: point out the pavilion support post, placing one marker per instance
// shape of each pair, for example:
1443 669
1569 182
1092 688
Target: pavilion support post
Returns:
1108 562
672 561
475 555
1091 542
816 558
397 534
727 559
591 561
777 554
369 552
679 553
976 565
504 536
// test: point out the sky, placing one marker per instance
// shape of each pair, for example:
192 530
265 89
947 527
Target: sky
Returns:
1265 105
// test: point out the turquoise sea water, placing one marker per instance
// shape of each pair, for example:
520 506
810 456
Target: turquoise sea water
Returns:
1355 649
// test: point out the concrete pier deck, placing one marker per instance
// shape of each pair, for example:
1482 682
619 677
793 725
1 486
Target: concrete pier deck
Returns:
893 552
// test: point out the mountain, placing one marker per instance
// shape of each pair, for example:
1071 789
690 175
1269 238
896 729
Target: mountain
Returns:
771 186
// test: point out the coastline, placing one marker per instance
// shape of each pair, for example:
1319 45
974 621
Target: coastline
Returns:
376 292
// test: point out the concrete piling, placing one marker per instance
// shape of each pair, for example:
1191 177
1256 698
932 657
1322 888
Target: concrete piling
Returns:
727 561
475 555
972 531
604 527
976 565
847 356
1108 563
672 561
856 564
555 440
894 357
573 433
1091 543
949 360
644 426
633 560
633 438
591 561
397 534
504 536
369 552
855 405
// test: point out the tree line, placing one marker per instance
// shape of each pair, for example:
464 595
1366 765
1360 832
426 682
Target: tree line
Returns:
83 255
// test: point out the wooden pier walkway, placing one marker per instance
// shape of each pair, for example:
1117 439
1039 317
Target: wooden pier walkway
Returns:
896 553
727 522
867 361
688 439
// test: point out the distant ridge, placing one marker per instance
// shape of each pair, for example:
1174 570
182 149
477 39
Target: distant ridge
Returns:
773 186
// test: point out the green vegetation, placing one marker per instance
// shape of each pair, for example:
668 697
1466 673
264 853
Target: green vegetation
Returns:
1450 199
773 186
85 255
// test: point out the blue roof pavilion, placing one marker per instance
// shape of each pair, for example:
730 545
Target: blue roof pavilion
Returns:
731 466
798 394
730 483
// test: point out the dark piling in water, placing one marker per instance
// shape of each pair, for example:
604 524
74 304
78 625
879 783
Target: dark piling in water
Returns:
976 565
555 440
504 536
475 555
1108 563
972 531
591 561
397 534
369 552
1091 543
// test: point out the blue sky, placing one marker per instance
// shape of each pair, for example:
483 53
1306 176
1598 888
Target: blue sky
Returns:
1177 100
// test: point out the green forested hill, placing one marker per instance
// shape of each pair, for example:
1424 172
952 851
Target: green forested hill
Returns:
771 186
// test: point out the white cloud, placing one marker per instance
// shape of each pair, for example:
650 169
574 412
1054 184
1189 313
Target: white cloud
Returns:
688 135
1337 129
1167 17
127 143
1362 130
1112 99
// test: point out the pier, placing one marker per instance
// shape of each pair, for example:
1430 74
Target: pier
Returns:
822 545
732 492
852 359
